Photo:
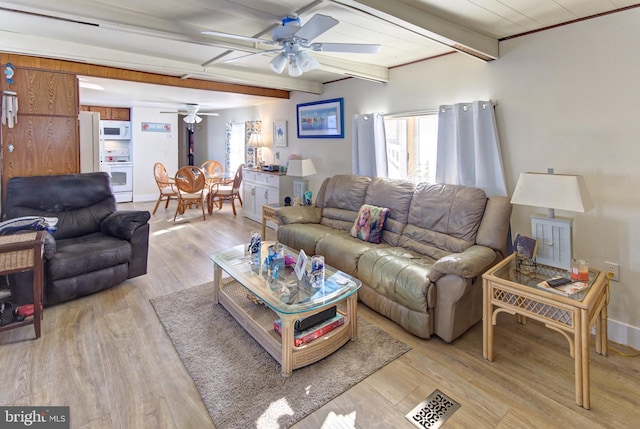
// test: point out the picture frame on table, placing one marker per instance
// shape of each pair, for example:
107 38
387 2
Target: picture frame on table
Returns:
301 264
320 119
280 133
525 246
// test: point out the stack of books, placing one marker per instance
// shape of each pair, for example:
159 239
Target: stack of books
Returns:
323 324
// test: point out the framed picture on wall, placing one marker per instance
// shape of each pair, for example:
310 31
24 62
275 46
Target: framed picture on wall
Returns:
320 119
280 133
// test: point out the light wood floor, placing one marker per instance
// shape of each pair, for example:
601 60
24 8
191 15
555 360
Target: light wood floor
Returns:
108 358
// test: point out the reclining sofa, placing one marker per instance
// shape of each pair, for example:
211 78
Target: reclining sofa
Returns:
435 243
95 247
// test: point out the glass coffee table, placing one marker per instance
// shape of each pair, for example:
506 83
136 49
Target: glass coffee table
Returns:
245 291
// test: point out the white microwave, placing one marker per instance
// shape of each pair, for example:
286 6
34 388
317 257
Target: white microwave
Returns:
115 130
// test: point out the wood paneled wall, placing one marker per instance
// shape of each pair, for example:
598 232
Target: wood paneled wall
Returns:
44 140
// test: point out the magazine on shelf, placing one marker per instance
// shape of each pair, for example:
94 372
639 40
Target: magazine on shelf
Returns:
314 332
564 290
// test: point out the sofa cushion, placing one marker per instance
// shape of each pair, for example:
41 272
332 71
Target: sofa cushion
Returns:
342 251
343 196
304 236
399 275
79 201
443 219
86 254
369 223
396 195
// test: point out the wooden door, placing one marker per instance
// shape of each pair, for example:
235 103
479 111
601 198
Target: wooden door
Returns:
44 141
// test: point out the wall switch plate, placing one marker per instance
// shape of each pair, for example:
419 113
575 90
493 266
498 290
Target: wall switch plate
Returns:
613 268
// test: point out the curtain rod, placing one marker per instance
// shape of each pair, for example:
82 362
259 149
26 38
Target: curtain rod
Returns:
411 113
432 111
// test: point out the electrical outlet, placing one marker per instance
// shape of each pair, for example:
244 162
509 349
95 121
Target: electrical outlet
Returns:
614 269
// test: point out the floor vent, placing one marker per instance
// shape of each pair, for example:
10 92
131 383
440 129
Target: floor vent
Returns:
433 411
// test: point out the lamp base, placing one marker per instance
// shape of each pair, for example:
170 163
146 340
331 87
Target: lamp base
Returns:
300 186
555 241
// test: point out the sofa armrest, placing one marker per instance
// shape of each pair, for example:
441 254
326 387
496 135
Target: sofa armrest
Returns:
298 214
470 263
123 224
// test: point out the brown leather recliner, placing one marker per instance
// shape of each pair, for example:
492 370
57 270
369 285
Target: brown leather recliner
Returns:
95 246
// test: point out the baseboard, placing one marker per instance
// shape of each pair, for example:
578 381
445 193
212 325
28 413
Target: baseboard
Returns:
624 334
144 198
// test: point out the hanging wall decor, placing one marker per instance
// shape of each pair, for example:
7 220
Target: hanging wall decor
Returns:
320 119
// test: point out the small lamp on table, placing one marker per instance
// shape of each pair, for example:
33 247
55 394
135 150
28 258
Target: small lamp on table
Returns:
553 191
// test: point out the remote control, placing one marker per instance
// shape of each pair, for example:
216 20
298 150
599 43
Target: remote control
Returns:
558 282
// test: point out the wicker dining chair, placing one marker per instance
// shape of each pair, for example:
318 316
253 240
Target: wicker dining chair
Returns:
212 167
165 185
192 189
227 191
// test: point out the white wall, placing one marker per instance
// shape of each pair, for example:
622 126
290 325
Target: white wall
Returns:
149 148
567 99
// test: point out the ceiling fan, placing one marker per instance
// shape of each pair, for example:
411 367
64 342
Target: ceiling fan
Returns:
292 36
192 115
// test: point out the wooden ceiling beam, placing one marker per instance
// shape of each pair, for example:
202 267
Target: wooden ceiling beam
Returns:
85 69
419 21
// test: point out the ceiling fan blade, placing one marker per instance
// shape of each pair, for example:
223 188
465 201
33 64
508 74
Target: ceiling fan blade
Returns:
355 48
230 60
182 112
317 25
238 37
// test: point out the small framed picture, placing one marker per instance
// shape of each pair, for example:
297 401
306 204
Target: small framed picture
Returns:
525 246
280 133
301 264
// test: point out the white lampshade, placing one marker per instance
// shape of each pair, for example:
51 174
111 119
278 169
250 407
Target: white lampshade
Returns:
306 61
278 63
301 167
552 191
256 140
294 68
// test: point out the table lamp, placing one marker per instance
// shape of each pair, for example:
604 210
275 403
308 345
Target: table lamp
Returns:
300 168
256 142
553 191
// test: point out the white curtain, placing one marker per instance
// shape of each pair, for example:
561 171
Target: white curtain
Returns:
469 148
369 145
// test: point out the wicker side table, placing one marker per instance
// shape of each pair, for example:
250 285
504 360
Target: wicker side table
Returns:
23 252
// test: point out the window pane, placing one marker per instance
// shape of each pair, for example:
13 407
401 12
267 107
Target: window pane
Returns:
396 134
427 149
412 147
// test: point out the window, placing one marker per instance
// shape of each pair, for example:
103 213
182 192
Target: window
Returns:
412 143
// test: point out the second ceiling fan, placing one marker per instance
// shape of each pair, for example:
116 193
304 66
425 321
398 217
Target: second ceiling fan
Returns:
192 114
293 39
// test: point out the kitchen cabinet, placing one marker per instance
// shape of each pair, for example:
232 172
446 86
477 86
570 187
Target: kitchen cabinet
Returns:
109 113
260 188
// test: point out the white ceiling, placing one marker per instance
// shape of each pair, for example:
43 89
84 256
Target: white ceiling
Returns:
165 37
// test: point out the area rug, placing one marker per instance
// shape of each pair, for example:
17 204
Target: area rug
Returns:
240 383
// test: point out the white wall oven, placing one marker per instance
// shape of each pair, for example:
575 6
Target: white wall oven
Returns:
121 180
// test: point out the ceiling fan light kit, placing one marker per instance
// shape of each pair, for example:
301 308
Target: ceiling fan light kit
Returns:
292 37
278 63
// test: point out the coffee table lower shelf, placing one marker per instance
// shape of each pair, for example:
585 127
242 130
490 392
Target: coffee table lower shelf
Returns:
257 320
